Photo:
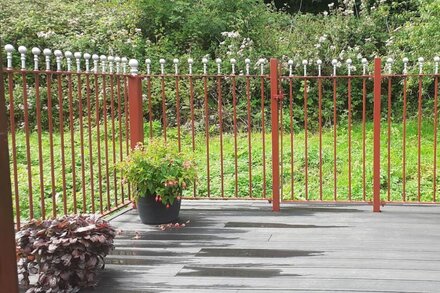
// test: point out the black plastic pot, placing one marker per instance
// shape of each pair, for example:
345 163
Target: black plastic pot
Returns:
153 213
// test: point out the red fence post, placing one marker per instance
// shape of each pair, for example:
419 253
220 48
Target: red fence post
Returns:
377 117
135 110
274 95
8 265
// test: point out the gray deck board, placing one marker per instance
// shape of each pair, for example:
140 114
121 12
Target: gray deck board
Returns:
242 246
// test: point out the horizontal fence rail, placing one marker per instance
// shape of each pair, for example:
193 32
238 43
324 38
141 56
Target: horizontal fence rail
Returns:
308 131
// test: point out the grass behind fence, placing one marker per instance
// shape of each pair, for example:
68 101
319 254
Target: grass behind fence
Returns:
427 166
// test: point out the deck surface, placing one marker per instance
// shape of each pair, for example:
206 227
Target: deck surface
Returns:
241 246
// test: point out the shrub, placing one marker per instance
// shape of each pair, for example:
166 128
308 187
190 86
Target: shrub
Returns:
65 253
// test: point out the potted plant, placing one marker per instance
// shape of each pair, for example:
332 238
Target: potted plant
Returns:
159 174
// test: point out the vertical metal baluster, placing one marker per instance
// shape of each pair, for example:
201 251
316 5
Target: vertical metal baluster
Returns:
9 49
335 185
36 52
58 55
205 89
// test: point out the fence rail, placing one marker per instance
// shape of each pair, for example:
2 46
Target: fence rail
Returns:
68 128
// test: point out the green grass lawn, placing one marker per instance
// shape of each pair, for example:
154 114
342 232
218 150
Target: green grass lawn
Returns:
112 188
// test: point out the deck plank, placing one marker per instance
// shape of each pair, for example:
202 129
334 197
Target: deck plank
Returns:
242 246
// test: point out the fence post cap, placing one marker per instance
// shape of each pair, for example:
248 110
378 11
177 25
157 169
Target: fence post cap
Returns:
334 62
162 61
147 61
318 62
305 62
436 59
405 60
36 51
9 48
87 56
133 63
204 60
77 55
390 60
233 61
176 61
124 59
47 52
22 49
111 58
247 61
58 53
103 58
218 60
190 61
421 59
68 54
364 61
117 59
349 61
95 57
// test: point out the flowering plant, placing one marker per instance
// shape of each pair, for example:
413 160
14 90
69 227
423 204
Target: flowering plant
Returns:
158 169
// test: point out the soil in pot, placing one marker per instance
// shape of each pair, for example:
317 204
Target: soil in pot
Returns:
152 212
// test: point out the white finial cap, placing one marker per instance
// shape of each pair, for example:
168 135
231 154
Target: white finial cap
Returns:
436 59
405 60
334 62
133 63
162 61
176 61
47 52
290 62
22 49
58 53
204 60
111 58
421 59
147 61
87 56
9 48
77 55
349 61
68 54
233 61
117 59
247 61
319 62
305 62
261 60
190 61
218 60
390 60
124 59
103 58
95 57
36 51
364 61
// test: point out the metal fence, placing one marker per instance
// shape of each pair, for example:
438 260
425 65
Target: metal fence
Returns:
285 132
67 130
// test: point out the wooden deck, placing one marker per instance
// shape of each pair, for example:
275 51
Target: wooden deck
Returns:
244 247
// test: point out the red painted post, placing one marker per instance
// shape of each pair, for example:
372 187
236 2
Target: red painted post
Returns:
135 112
274 95
8 265
377 117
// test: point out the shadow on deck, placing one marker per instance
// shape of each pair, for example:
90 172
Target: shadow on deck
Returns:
244 247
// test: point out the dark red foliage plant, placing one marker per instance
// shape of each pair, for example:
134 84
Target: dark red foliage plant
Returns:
64 254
